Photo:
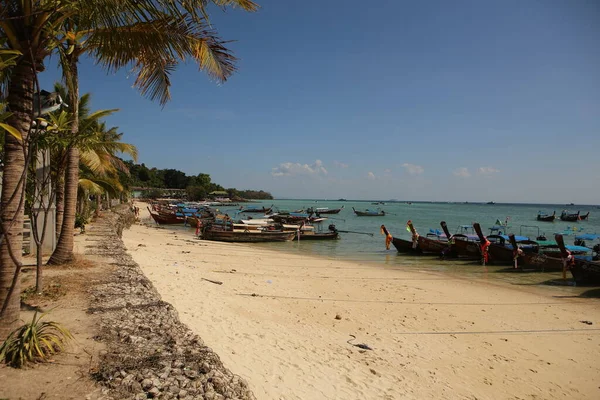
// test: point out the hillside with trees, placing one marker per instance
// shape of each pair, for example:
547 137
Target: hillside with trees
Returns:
197 187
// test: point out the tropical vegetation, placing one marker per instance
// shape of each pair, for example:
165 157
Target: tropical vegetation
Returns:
35 341
197 187
148 36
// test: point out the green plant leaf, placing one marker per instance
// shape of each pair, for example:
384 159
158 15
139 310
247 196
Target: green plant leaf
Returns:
12 130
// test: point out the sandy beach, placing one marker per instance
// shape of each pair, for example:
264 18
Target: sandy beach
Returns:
283 323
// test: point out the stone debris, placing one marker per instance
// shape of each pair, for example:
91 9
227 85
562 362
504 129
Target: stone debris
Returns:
149 352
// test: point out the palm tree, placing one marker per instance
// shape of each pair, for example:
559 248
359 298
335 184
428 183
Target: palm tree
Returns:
153 47
149 35
100 164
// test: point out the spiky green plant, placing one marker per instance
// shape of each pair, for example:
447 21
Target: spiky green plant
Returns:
35 341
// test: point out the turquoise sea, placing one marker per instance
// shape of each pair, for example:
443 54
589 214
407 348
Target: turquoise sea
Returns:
425 216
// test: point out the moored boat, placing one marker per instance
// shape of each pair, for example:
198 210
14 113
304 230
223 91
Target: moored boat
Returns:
566 216
163 218
542 216
584 272
499 249
216 233
332 234
256 210
462 244
369 213
325 210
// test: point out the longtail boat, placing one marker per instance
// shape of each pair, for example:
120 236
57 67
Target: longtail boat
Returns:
428 244
312 235
325 210
500 249
461 244
584 217
545 255
546 217
163 218
401 245
212 232
584 272
256 210
566 216
369 213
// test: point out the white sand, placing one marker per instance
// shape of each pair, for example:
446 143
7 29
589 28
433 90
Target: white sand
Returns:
288 344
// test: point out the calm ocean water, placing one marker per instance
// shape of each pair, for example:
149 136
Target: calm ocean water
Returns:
425 216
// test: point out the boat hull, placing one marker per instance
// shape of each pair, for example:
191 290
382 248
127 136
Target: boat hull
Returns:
166 219
546 218
465 248
586 273
424 246
318 236
247 237
405 246
334 211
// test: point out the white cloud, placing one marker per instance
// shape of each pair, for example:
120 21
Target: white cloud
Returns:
295 169
371 176
387 171
462 172
487 171
340 164
413 169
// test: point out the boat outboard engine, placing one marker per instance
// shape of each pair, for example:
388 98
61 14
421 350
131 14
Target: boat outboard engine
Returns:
332 228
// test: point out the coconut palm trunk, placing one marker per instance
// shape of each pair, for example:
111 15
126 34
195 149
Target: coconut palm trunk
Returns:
64 247
20 104
60 202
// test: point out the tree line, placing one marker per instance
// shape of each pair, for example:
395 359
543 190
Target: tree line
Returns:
197 187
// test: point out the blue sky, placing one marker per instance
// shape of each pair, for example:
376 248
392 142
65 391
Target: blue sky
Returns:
433 100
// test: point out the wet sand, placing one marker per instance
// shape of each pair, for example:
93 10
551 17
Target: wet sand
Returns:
282 321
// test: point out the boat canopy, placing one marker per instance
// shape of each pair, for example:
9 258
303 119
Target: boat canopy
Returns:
587 236
578 248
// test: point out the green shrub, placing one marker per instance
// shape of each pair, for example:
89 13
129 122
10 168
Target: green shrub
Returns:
35 341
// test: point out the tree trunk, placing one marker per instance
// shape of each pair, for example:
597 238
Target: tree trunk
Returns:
64 247
60 201
20 104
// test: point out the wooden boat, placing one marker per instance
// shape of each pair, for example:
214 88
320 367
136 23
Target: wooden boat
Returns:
325 210
429 244
500 249
418 245
166 218
462 244
369 213
256 210
566 216
246 236
401 245
584 217
312 235
545 217
546 259
584 272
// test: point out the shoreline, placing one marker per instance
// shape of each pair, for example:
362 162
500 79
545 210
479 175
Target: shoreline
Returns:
290 340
